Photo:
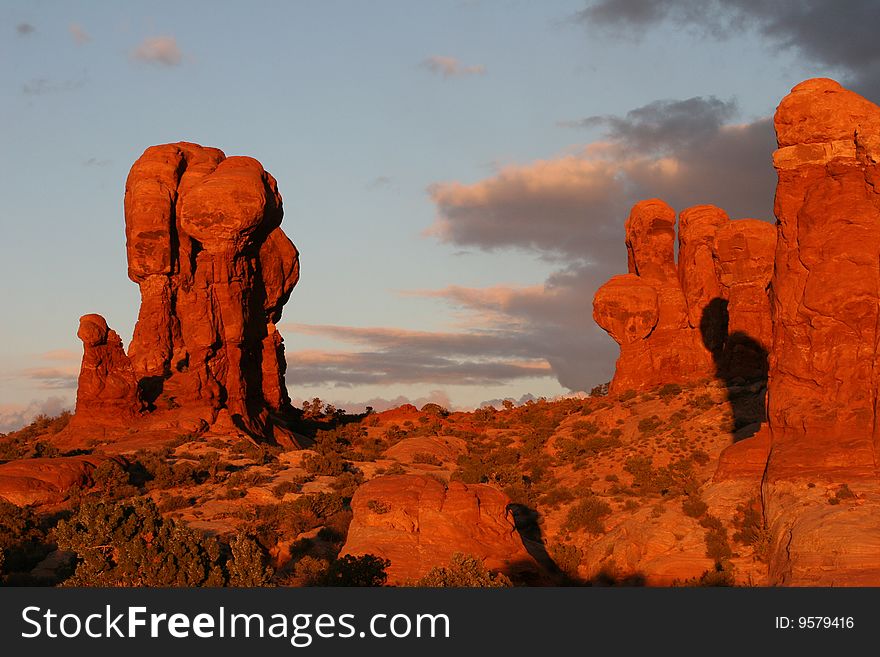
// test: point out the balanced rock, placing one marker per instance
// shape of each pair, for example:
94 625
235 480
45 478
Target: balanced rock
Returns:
417 523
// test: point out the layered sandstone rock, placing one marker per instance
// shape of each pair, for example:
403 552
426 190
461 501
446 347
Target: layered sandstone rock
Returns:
107 390
706 315
214 269
39 481
823 367
417 522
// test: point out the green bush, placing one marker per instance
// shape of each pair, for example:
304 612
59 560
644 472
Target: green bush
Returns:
426 458
365 570
23 539
587 515
464 571
131 544
249 565
669 391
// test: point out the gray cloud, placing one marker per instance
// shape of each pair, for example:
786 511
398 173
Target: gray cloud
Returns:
25 29
665 125
573 208
53 378
553 322
395 356
838 35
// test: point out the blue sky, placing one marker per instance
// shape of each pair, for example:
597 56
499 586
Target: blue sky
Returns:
438 175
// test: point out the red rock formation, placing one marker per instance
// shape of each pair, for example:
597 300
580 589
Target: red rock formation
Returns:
824 378
743 251
417 523
826 285
214 269
706 315
45 480
107 389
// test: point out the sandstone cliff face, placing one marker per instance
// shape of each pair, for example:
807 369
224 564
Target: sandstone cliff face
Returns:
823 367
417 523
707 315
214 269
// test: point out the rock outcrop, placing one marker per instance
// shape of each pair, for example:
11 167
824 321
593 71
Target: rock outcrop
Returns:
824 379
707 315
107 391
38 481
417 522
214 269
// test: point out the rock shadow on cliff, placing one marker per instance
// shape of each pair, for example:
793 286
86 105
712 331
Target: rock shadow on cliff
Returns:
741 362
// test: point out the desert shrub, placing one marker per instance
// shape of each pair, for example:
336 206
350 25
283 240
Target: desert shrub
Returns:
131 544
648 425
378 507
627 395
723 574
435 409
585 427
700 457
395 469
249 563
556 496
694 506
567 558
749 524
669 391
600 390
587 515
281 489
346 483
464 571
247 478
670 480
23 538
704 402
426 458
111 480
309 571
842 493
330 464
174 502
717 543
365 570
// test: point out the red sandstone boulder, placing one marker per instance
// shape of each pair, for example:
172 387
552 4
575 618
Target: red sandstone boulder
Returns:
417 523
45 480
